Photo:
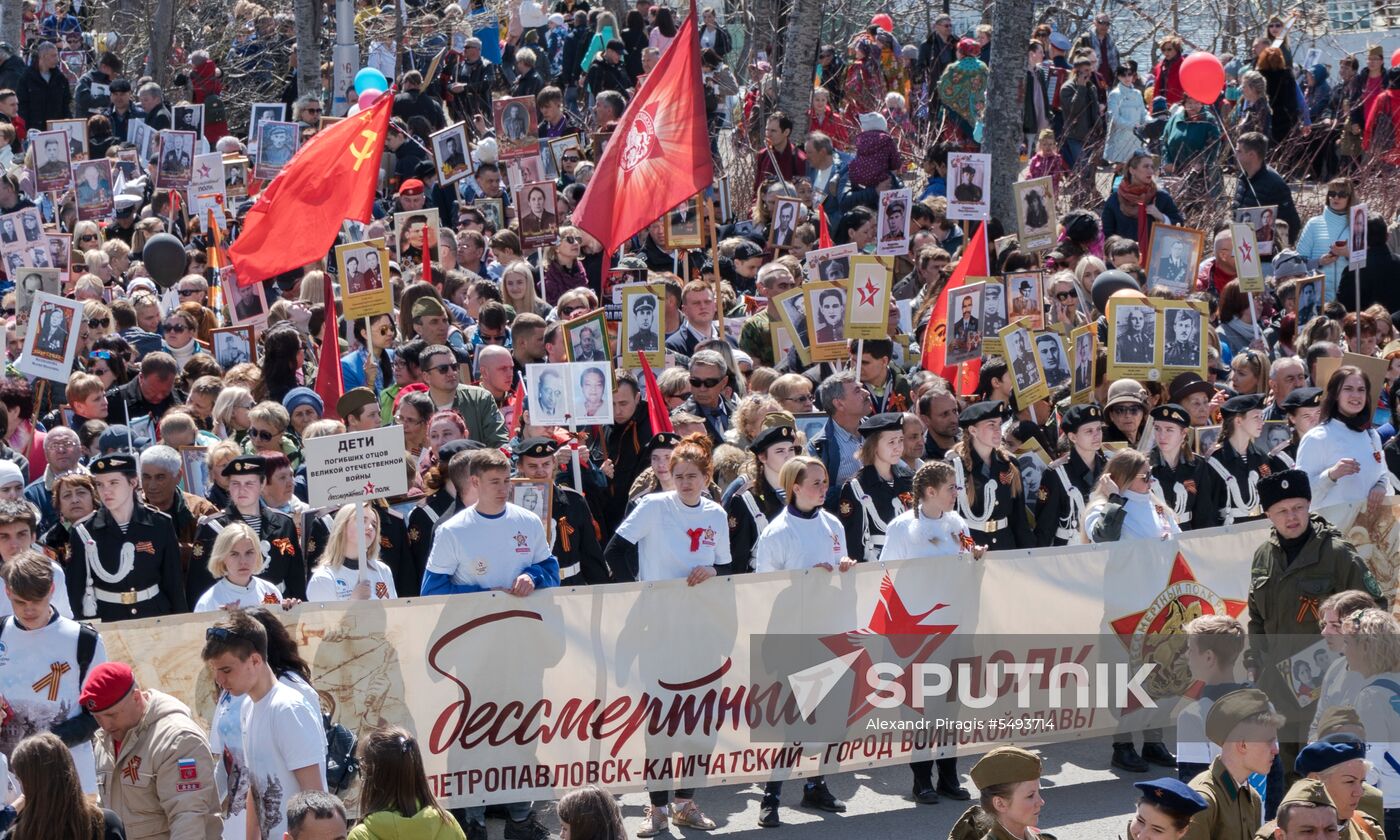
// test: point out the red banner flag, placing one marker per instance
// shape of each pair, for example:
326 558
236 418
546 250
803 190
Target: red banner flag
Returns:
973 264
824 232
330 179
659 155
656 404
329 384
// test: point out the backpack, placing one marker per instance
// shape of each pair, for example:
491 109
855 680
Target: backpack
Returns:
342 767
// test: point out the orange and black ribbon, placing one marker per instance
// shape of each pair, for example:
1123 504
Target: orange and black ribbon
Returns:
51 682
1307 604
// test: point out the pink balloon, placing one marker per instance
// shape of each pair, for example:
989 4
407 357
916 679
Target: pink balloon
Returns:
883 21
368 98
1202 77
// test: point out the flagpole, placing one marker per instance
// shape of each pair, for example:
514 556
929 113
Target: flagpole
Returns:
714 264
539 259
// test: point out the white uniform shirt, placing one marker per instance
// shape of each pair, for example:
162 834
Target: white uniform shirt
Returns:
913 535
224 591
336 584
796 542
672 538
281 733
488 551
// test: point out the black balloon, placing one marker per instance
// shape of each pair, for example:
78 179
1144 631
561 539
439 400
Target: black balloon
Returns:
165 259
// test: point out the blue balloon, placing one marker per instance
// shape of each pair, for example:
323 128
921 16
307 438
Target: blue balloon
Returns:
370 79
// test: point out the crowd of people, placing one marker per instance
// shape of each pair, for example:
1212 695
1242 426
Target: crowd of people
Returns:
161 471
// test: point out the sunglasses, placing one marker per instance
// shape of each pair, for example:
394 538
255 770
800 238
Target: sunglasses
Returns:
440 368
222 634
175 328
1331 194
261 434
95 323
697 382
87 236
188 292
573 240
101 354
805 399
1066 295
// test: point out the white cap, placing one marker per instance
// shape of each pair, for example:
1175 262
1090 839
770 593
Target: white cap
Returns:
10 473
873 122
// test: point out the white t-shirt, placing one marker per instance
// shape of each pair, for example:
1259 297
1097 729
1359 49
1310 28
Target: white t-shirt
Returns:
336 584
795 542
912 535
46 658
672 538
60 594
281 733
224 591
226 742
488 551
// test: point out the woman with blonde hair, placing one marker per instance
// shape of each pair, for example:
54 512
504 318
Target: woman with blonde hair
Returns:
338 576
395 798
1123 505
565 269
231 409
234 562
1249 372
55 807
748 419
518 289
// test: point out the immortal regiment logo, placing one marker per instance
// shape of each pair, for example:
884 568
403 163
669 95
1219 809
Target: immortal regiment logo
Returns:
641 140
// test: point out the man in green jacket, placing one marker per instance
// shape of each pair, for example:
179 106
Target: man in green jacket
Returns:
475 405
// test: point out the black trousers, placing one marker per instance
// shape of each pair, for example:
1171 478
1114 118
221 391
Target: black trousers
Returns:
923 771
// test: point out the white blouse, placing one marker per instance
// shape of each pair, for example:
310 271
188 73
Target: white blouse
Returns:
1320 450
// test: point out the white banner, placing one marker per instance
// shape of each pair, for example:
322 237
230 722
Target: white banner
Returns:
355 467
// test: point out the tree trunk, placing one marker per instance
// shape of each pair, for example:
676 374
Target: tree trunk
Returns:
803 34
1006 92
308 48
11 20
162 38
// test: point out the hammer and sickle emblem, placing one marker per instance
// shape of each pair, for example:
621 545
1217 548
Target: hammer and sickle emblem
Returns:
363 153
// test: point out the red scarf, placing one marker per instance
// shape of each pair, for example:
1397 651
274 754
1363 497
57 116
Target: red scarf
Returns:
1133 199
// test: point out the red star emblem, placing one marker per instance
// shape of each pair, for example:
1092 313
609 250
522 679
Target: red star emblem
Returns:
520 539
204 170
369 487
1244 251
868 292
904 635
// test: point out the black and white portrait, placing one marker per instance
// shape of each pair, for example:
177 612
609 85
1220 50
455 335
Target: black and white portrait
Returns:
1027 298
1051 349
1183 347
1084 357
277 142
592 396
828 315
1277 434
1309 299
515 127
175 161
786 217
993 310
1032 471
263 112
236 176
233 345
31 281
1035 213
547 387
892 229
639 319
452 154
967 185
189 118
1132 331
1022 356
51 161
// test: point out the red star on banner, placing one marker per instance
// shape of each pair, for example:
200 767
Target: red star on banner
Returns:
868 293
907 636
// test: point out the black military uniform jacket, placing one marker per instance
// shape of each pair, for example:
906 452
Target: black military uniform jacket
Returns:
625 444
277 537
744 527
1193 507
393 545
576 543
1057 518
1236 503
1007 524
867 506
152 586
422 521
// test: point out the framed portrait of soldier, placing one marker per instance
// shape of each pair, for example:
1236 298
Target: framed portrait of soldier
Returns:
968 180
1026 298
1132 340
493 210
683 227
964 333
143 137
1036 220
586 338
1261 219
641 328
1027 378
277 143
780 339
189 118
724 207
410 229
1307 303
792 315
831 264
537 211
246 304
1033 462
1185 336
1356 257
1277 435
1054 361
60 247
174 159
536 497
259 113
787 215
363 269
236 176
451 153
31 282
868 299
52 163
234 346
194 469
892 228
1204 438
92 181
994 313
31 226
1249 269
1084 357
516 122
1175 254
51 339
77 131
825 305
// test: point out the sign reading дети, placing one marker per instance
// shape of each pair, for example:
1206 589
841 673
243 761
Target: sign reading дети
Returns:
355 467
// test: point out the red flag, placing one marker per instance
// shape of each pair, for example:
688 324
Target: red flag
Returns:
659 155
329 384
656 404
427 258
515 408
824 233
330 179
973 264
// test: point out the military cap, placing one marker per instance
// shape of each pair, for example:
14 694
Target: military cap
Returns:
771 436
1302 398
646 302
114 463
1077 416
1309 791
1242 404
427 306
354 400
1327 753
1004 766
536 447
1172 795
663 440
1172 413
452 447
245 465
1336 718
1282 486
985 410
412 186
890 421
1233 709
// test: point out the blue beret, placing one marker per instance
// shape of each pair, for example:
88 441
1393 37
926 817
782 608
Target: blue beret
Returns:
1173 795
1327 753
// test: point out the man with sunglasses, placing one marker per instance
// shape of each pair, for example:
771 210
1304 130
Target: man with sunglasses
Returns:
710 395
150 394
474 404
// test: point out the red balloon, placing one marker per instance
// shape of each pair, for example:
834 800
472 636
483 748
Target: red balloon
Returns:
1395 58
1202 77
883 21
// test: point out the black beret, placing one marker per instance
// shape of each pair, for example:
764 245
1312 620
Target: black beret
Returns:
245 465
1302 398
1173 795
1242 404
1077 415
536 447
663 440
452 447
1172 413
985 410
1282 486
115 463
890 421
1328 753
772 435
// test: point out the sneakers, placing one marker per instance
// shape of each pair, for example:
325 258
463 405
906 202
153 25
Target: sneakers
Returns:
654 821
529 828
817 796
768 813
690 816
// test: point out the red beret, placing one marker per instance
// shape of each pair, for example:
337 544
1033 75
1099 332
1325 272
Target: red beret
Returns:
106 686
412 186
411 388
